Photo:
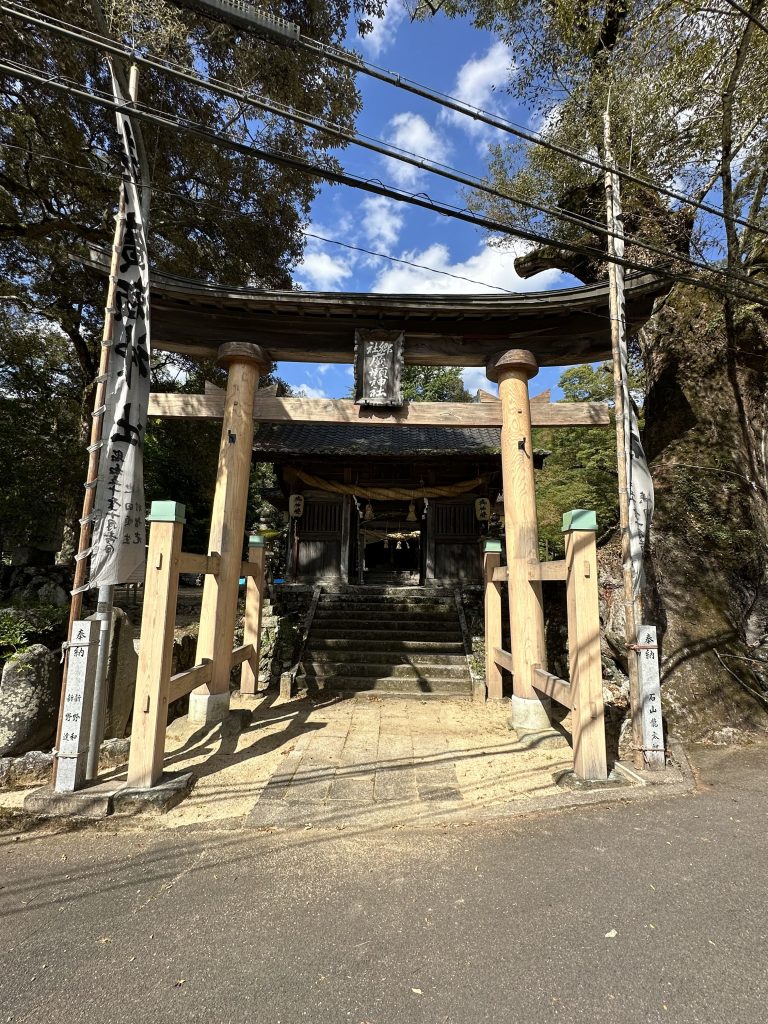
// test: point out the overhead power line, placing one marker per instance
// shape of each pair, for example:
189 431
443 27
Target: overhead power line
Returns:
261 24
234 212
320 125
374 186
247 17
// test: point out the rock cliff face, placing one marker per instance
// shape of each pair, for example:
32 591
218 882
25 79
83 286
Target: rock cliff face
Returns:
706 427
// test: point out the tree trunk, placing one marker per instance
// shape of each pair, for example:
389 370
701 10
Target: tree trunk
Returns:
709 542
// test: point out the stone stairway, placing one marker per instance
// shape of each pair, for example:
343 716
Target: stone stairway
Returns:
404 641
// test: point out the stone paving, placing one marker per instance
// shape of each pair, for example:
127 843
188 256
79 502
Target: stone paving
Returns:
363 762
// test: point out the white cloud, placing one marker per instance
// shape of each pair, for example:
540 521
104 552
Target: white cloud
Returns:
323 271
308 391
479 83
382 221
323 368
490 265
474 378
414 134
385 29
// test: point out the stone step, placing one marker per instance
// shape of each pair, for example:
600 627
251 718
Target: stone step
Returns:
381 670
352 615
383 631
366 601
388 684
420 645
360 656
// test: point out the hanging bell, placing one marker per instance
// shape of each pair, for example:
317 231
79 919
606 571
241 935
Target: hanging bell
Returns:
368 516
411 517
399 546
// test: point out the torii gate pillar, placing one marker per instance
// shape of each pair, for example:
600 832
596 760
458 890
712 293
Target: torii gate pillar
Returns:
245 363
513 369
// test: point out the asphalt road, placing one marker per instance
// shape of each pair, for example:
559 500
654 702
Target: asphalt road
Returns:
656 911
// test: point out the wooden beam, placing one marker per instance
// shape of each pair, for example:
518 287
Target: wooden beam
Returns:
241 654
500 574
502 658
493 680
269 409
206 564
547 570
185 682
552 686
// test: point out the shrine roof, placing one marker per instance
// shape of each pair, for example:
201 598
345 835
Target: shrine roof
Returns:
276 441
560 327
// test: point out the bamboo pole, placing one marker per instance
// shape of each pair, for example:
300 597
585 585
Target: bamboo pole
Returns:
632 613
94 453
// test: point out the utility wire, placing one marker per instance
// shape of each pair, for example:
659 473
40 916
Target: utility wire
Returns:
394 153
357 63
232 211
374 186
318 124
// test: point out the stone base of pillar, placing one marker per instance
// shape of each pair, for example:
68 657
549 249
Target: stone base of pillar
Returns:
529 719
529 714
208 708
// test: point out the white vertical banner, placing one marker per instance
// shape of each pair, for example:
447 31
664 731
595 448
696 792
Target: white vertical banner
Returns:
119 531
639 482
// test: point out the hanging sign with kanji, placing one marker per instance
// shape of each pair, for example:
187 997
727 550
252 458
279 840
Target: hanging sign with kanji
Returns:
378 368
117 553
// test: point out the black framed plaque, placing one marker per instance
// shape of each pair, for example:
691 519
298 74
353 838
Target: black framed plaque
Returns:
379 367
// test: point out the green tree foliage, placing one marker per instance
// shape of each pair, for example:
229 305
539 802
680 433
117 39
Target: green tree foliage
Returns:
580 471
216 215
434 384
687 85
40 445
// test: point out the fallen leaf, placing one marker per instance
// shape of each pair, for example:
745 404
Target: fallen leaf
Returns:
178 983
611 934
417 991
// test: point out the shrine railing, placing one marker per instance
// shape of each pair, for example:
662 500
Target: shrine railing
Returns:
156 688
582 694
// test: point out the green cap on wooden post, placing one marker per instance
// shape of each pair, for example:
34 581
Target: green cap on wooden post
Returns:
492 545
579 519
255 541
167 512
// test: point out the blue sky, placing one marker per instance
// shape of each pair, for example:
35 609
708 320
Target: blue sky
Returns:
451 57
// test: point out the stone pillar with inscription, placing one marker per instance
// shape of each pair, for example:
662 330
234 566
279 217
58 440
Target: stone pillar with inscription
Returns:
245 363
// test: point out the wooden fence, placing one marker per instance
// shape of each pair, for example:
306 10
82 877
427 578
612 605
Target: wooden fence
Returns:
156 688
583 693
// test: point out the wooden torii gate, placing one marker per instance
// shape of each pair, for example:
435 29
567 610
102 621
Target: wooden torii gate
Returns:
512 336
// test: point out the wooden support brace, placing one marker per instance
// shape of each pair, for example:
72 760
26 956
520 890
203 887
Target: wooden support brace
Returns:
503 659
254 600
418 414
500 574
552 686
491 560
208 565
161 587
185 682
242 654
547 570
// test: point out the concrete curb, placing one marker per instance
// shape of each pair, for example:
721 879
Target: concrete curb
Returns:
106 800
